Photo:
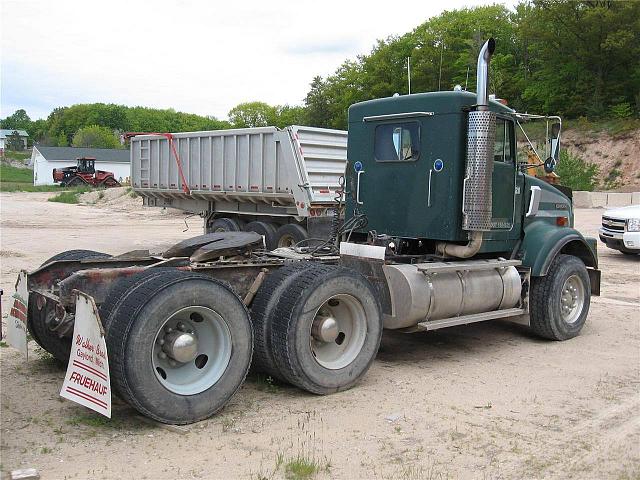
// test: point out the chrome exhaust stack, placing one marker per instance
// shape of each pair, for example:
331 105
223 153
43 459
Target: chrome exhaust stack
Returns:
477 185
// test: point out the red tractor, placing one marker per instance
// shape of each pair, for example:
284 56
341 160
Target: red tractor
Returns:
84 173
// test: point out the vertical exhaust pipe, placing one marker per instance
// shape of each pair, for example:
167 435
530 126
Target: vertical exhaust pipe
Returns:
482 75
477 185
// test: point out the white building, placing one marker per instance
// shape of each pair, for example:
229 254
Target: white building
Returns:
4 133
45 159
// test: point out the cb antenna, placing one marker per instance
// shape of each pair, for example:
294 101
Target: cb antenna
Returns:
409 73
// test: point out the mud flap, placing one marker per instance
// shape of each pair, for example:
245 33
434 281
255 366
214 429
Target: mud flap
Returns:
17 321
87 380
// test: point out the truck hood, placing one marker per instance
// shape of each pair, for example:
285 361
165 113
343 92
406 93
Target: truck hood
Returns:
632 211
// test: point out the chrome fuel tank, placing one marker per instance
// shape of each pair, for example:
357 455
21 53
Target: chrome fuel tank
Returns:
431 291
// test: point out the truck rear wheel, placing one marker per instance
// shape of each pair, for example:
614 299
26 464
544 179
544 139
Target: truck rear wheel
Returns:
179 346
262 314
290 234
266 229
226 225
40 322
560 300
326 329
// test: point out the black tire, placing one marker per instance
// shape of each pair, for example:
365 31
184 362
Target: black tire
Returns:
262 312
118 291
294 316
225 225
630 252
290 234
76 182
266 229
546 299
38 320
131 337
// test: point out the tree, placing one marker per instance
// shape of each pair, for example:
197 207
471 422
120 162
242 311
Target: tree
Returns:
15 142
95 136
252 114
18 121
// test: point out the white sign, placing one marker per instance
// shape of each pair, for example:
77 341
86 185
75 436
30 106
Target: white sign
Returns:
87 379
17 322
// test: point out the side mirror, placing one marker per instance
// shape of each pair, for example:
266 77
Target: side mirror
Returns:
550 165
555 144
555 130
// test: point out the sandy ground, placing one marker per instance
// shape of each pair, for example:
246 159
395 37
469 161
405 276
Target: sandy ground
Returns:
482 401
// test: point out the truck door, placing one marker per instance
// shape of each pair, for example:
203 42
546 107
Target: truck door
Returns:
386 181
507 182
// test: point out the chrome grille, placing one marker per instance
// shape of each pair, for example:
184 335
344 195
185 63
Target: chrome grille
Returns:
613 224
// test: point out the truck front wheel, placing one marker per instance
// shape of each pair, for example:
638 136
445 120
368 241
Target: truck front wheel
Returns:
326 329
559 301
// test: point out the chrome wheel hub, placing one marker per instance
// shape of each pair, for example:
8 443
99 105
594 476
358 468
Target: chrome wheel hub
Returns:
192 350
338 331
572 299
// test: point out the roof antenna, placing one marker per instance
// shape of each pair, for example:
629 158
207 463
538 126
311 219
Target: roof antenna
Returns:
467 80
409 73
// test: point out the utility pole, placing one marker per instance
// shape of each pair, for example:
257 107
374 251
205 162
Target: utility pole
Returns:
441 52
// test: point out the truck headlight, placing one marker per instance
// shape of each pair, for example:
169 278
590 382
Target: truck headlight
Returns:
633 225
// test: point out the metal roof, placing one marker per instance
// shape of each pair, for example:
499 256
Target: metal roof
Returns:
5 132
71 153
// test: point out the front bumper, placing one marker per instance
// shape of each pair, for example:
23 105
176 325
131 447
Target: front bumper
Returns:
629 241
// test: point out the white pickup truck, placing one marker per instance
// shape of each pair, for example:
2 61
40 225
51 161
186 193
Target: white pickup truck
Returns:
621 229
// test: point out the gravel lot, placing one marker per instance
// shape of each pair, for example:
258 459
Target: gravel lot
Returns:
482 401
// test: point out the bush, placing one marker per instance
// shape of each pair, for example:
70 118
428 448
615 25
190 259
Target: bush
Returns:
621 110
575 173
95 136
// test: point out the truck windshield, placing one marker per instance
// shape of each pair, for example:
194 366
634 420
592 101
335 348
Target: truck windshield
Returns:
397 142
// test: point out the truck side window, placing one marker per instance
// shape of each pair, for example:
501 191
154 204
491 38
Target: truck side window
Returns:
397 142
502 146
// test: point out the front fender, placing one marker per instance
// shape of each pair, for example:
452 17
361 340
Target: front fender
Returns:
543 241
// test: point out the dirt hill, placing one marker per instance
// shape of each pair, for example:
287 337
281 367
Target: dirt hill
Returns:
618 157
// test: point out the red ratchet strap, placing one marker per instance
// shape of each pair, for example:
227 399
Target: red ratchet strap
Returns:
169 137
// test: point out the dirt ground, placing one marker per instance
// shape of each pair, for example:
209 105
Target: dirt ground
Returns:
488 401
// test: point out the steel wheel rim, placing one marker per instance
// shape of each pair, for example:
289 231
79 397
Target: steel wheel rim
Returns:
286 241
351 320
214 345
572 298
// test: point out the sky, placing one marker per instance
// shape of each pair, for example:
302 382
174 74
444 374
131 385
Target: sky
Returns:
195 56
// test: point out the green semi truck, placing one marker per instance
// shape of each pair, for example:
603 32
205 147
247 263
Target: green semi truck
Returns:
439 225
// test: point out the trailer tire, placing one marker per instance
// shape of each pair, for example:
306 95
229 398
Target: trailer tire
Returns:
262 314
266 229
193 389
37 320
226 225
290 234
326 329
559 301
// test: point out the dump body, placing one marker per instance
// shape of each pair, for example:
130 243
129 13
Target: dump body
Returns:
252 170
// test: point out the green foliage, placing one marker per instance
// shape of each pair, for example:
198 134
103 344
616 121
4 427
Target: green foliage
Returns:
69 196
14 142
575 173
621 110
15 174
260 114
18 121
95 136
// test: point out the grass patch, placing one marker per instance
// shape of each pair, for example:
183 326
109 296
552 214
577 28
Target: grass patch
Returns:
15 174
300 468
27 187
12 155
616 127
66 197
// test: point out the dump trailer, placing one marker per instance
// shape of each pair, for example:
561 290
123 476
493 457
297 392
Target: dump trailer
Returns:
282 184
441 227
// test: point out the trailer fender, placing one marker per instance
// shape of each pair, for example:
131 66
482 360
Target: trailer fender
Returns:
543 241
